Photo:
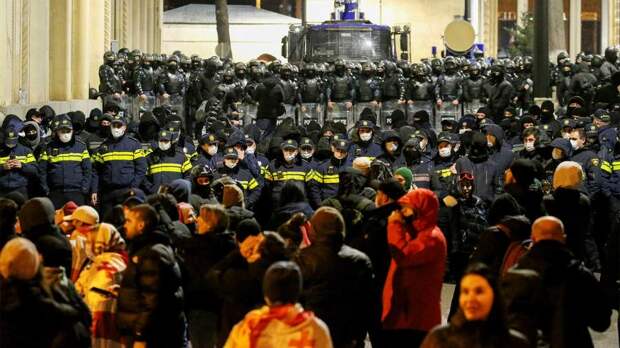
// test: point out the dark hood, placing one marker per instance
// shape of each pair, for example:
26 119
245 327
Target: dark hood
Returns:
12 121
497 132
149 127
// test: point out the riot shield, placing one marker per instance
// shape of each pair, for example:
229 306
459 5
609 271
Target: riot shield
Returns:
140 106
387 108
309 112
247 113
341 114
447 111
419 105
472 107
176 104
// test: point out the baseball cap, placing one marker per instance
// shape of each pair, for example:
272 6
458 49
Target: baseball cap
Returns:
85 214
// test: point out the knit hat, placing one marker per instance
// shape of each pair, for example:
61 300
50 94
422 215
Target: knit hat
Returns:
407 174
568 174
19 259
85 214
524 171
392 188
36 212
232 196
69 208
327 222
246 228
362 164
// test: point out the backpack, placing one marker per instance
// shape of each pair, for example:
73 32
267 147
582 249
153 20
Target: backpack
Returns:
513 254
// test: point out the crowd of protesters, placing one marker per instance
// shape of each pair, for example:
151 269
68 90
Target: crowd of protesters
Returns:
180 216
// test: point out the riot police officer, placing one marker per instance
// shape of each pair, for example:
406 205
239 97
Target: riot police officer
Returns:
448 90
110 85
340 88
172 85
472 89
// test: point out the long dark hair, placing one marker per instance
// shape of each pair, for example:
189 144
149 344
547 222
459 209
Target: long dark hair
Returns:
496 321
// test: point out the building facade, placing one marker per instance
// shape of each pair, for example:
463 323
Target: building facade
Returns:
51 49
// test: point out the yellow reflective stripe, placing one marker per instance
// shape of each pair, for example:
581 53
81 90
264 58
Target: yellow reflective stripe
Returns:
331 179
284 176
29 158
139 153
117 156
165 167
187 165
148 151
85 154
249 185
615 165
3 160
444 173
318 177
606 167
252 184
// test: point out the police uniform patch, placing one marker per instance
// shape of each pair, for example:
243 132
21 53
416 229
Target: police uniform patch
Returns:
596 162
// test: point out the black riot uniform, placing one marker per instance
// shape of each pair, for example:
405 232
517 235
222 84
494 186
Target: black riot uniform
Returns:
109 82
173 81
367 86
340 87
311 87
448 87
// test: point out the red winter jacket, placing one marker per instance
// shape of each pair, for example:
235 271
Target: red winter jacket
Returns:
412 291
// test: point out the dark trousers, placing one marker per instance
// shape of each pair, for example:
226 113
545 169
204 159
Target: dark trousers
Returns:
60 198
403 338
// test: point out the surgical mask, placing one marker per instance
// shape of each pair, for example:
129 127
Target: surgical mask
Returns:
250 150
230 164
445 152
289 158
574 144
117 132
529 146
165 145
490 144
65 137
212 150
463 130
306 154
365 136
394 147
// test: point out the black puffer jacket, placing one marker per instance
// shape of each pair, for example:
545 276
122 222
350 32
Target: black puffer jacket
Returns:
30 318
338 288
150 302
200 253
566 301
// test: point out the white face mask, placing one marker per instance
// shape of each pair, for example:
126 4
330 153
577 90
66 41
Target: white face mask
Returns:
463 130
165 145
230 163
574 144
445 152
365 136
529 146
394 147
65 137
117 132
490 144
290 158
251 149
212 150
306 154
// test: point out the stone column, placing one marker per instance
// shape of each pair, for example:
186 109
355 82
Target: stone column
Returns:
97 40
81 48
574 33
107 24
143 29
6 23
521 9
490 28
159 25
135 25
150 26
35 50
61 17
